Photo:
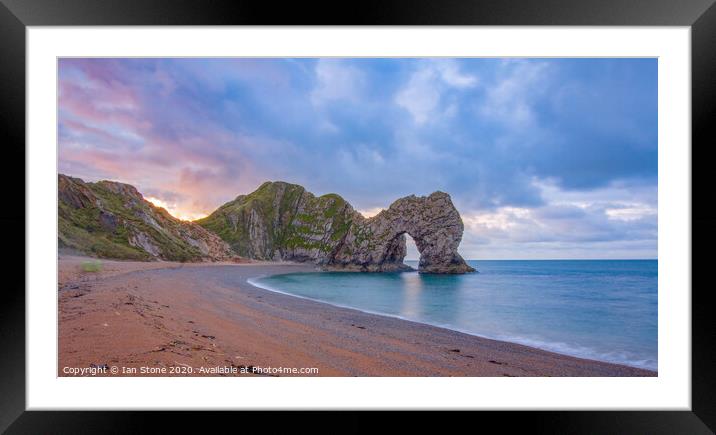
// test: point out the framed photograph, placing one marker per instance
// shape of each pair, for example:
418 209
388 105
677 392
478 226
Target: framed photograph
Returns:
467 207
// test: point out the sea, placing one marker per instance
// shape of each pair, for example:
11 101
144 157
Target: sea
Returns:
597 309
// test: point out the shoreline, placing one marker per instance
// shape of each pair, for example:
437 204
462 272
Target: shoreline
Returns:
165 314
251 281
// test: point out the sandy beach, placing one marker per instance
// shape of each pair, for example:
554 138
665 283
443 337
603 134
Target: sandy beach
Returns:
157 318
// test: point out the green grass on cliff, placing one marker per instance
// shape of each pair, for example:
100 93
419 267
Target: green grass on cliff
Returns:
258 209
101 218
273 207
100 245
82 228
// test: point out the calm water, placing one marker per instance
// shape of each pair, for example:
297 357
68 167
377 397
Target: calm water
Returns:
604 310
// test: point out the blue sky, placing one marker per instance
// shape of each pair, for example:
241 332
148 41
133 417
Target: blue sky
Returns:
544 158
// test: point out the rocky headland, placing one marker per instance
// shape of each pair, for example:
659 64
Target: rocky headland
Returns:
113 220
277 222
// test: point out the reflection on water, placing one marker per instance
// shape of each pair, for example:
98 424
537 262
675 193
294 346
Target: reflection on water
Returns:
595 309
413 285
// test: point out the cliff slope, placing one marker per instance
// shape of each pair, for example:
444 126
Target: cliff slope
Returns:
113 220
282 221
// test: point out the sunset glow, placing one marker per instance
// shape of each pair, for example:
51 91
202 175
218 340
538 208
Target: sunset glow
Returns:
174 211
543 158
370 212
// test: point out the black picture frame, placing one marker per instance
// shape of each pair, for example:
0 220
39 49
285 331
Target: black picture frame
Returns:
16 15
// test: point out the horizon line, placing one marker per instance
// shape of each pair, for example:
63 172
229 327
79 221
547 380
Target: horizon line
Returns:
550 259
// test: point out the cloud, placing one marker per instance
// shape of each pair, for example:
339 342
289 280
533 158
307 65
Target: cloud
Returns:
543 157
566 226
630 212
450 73
422 94
510 98
335 80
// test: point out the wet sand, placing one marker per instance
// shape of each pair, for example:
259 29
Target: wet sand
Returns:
170 319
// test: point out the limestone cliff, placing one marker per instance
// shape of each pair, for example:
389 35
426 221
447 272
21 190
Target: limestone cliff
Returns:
378 243
113 220
278 221
282 221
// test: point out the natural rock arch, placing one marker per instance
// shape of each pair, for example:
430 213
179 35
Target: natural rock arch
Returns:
284 221
378 243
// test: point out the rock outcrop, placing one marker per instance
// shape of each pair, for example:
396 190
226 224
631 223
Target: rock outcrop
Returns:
113 220
378 243
278 221
282 221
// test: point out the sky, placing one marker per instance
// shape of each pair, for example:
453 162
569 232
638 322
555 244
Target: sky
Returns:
543 158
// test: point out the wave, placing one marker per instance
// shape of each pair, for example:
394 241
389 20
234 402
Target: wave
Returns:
556 347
